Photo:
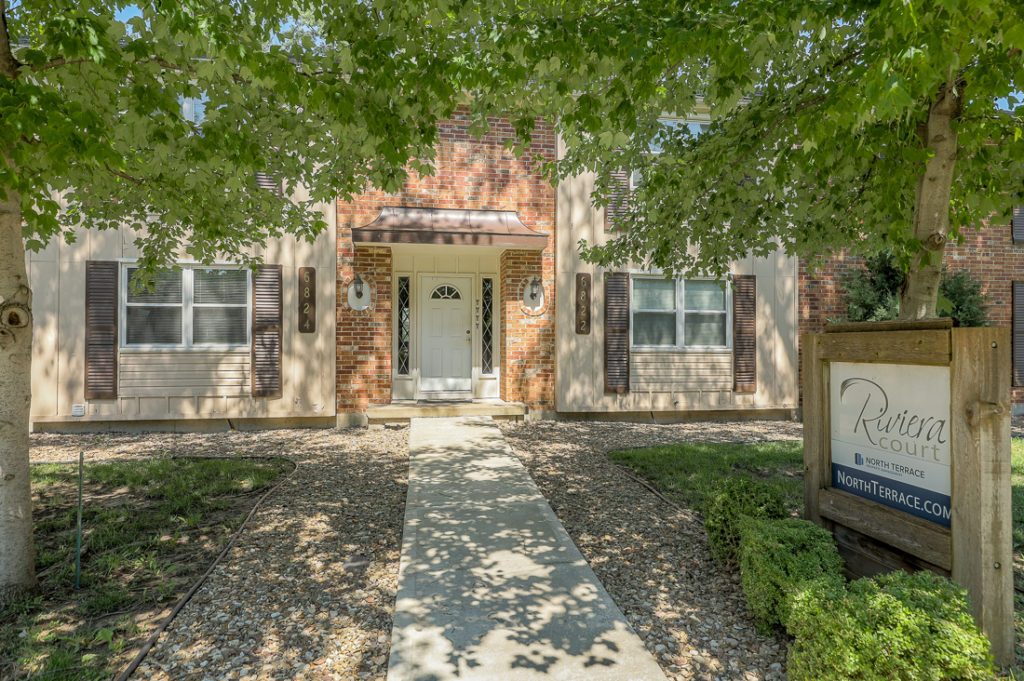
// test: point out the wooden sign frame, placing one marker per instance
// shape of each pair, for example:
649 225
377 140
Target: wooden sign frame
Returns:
977 550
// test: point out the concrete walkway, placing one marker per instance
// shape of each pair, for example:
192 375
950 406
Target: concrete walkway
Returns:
491 587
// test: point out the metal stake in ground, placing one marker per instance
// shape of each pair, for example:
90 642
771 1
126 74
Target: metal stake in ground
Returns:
78 533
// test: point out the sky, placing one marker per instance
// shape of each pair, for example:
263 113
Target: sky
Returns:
127 13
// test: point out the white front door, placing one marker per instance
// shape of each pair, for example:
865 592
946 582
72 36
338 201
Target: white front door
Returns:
446 346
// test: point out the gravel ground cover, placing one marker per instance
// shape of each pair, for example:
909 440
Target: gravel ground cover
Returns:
652 558
308 590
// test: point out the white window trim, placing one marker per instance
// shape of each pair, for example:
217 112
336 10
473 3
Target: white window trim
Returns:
187 306
680 313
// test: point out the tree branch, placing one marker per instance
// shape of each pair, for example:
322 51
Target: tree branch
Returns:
9 66
56 63
124 175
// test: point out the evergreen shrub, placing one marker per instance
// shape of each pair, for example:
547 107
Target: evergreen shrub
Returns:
781 558
895 627
968 305
731 499
873 293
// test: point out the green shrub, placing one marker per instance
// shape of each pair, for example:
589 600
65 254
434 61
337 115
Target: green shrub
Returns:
873 293
731 499
896 627
779 559
967 304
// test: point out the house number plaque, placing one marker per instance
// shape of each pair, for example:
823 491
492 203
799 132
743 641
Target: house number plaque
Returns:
583 304
307 299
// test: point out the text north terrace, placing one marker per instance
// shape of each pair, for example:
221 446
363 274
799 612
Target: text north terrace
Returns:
893 466
892 495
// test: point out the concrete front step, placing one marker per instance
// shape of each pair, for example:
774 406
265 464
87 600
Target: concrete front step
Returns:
403 412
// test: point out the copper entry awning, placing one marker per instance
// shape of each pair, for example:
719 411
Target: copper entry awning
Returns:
451 227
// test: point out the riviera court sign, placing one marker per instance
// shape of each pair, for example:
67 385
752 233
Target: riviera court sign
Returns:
891 436
907 455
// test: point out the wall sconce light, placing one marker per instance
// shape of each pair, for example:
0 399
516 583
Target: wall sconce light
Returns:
359 294
533 294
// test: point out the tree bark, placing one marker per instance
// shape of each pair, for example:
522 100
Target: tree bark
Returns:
920 293
17 554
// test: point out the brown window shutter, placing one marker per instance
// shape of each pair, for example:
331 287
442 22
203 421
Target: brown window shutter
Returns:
744 333
1017 225
266 331
1018 333
101 329
618 200
270 182
616 333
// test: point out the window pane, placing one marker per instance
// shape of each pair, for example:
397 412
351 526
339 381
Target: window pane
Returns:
223 287
654 328
193 109
166 288
218 326
705 295
404 325
654 294
702 328
487 327
669 128
153 325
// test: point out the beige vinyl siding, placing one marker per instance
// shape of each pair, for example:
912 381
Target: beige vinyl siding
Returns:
183 373
666 371
170 383
665 379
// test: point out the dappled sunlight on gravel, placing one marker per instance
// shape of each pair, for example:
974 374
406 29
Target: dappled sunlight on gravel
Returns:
308 590
652 558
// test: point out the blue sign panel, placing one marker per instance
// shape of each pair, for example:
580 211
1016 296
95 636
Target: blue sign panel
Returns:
904 497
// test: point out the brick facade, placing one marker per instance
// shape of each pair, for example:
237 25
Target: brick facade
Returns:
363 337
527 336
469 173
989 253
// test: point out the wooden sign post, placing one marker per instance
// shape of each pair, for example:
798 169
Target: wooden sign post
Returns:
907 455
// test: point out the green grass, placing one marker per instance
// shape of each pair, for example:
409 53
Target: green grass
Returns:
149 530
686 473
1017 482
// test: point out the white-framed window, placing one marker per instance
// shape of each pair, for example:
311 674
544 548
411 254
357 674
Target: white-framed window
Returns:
193 109
679 314
196 306
696 127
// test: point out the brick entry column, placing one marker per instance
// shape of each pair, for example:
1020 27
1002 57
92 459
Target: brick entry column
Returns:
527 337
363 337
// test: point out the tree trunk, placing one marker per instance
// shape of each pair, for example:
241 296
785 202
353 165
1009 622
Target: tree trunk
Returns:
17 555
920 293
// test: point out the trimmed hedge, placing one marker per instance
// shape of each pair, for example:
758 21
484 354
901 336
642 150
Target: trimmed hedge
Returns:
781 558
732 499
895 627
